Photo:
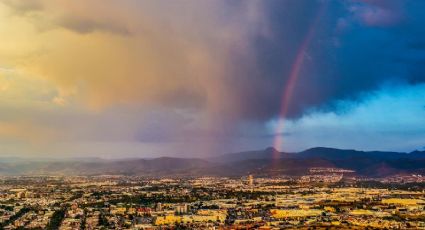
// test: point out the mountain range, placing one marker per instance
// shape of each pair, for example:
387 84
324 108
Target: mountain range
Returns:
262 163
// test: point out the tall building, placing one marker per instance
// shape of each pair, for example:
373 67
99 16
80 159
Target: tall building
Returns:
182 208
251 180
158 207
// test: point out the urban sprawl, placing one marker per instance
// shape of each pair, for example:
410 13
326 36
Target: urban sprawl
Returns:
326 198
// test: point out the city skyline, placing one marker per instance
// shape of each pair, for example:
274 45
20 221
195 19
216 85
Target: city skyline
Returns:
196 79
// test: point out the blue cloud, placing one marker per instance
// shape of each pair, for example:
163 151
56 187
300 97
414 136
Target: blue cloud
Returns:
392 118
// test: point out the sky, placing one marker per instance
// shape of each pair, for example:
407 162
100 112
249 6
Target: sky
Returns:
189 78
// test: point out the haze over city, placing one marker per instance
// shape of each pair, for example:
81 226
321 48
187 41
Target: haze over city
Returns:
193 78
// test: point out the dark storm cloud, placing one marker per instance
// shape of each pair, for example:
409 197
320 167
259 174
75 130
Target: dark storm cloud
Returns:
258 88
357 46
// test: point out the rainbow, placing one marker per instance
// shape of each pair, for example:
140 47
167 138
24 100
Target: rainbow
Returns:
293 78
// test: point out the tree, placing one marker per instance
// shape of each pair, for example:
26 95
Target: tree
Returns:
56 219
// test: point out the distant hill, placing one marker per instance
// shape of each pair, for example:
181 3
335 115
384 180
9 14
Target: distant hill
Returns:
148 167
372 163
339 154
269 153
262 162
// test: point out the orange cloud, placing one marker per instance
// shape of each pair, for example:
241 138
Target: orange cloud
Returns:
26 131
92 56
106 54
